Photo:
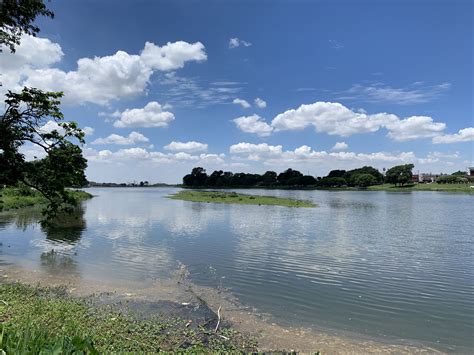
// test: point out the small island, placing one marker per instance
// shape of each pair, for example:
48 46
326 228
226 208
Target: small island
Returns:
235 198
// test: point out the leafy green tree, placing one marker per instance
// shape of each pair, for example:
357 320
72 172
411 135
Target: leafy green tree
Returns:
269 178
24 121
400 174
336 173
364 180
350 175
288 174
197 178
460 173
332 182
17 17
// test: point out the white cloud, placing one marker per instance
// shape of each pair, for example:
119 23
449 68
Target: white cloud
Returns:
378 92
241 102
152 115
275 156
31 54
88 131
340 146
332 118
255 151
51 126
260 103
414 127
335 44
236 42
97 80
191 146
192 92
463 135
172 56
253 124
132 138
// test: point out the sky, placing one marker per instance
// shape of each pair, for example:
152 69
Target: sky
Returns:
161 87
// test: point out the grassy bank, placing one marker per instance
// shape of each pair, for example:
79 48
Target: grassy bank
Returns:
14 198
235 198
423 187
34 319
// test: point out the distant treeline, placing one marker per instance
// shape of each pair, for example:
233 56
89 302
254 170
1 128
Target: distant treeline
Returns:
361 177
126 184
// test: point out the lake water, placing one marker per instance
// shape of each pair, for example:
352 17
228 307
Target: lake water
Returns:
397 266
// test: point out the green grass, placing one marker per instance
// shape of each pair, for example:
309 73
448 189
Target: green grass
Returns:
14 198
35 319
423 187
235 198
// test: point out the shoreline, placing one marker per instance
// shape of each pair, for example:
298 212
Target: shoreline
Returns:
269 335
13 199
457 188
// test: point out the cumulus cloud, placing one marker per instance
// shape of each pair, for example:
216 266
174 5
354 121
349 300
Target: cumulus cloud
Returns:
88 131
152 115
255 151
172 56
236 42
190 146
463 135
98 80
340 146
334 118
241 102
33 53
51 126
275 155
260 103
253 124
132 138
414 127
138 154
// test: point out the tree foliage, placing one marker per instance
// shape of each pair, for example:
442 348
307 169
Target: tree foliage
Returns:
400 174
17 17
63 165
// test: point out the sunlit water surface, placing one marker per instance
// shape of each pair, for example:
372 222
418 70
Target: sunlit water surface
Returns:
386 265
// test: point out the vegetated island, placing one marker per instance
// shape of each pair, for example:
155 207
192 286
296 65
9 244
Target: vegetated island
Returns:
235 198
20 197
397 178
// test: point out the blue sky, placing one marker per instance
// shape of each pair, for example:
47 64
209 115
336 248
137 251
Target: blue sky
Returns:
381 83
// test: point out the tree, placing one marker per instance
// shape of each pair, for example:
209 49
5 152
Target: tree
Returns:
364 180
400 174
269 178
350 175
26 119
285 176
17 17
336 173
197 177
460 173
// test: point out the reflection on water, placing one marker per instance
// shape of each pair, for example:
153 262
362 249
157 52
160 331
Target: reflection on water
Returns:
383 264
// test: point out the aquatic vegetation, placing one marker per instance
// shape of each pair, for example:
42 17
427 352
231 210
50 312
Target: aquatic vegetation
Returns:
236 198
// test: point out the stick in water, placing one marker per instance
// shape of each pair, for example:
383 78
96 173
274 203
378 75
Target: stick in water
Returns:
218 318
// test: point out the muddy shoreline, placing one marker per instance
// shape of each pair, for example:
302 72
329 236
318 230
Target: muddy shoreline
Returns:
175 296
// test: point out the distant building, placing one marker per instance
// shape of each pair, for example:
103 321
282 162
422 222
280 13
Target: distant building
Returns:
471 171
428 177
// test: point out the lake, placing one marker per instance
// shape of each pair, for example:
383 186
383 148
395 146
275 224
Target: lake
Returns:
395 266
